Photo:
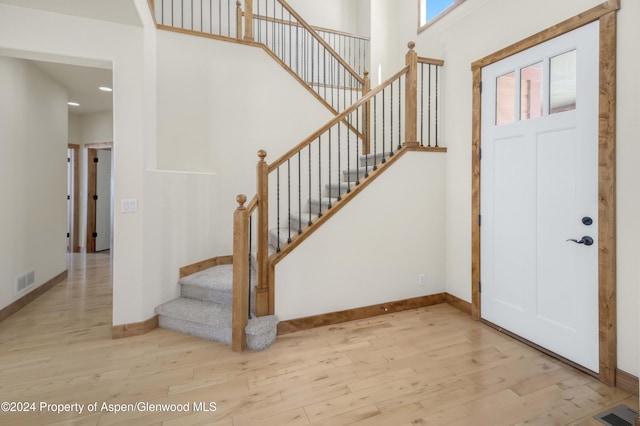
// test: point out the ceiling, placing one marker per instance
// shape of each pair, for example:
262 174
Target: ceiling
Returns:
118 11
82 82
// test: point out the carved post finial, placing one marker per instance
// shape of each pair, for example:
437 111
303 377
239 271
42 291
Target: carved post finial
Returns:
366 73
411 45
262 154
241 199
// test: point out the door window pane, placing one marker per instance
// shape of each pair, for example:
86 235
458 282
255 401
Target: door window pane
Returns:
531 91
505 98
562 82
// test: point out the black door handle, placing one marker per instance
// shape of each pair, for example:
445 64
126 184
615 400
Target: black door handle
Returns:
586 240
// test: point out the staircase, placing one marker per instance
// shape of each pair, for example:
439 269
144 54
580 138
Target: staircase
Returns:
311 181
204 309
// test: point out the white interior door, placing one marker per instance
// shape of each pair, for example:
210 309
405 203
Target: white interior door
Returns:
539 189
103 203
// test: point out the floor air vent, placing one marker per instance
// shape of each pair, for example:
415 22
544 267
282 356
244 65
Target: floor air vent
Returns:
620 415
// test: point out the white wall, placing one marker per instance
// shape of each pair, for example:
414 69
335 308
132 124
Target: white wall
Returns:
375 248
74 129
340 15
180 206
387 50
218 104
96 127
33 176
501 23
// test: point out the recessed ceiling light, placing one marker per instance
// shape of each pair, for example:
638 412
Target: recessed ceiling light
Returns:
105 89
73 104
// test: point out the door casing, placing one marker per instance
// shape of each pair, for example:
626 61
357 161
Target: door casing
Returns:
75 197
606 14
90 245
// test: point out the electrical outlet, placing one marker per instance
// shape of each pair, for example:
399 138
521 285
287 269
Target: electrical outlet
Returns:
422 280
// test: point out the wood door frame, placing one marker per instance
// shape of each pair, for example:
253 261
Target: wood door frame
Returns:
92 149
75 198
606 14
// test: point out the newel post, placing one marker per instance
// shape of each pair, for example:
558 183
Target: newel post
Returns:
262 187
411 97
239 15
248 20
366 115
240 305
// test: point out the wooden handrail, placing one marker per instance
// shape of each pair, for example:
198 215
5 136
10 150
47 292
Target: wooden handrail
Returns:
342 33
340 117
324 30
321 40
422 60
253 204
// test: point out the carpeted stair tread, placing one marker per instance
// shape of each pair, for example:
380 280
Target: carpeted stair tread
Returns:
336 189
198 311
218 277
319 205
354 175
214 285
371 159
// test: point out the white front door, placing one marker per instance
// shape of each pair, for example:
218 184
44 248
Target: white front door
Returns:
539 190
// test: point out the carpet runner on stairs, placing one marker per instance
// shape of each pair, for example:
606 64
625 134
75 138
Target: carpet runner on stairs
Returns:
204 310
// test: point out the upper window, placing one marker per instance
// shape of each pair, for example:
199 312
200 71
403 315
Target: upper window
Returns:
432 10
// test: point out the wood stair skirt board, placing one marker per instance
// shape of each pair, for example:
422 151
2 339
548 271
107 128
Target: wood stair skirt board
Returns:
289 326
134 329
205 264
14 307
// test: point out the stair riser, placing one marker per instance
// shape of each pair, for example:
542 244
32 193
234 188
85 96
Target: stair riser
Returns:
191 328
370 160
335 190
223 297
284 236
354 176
318 207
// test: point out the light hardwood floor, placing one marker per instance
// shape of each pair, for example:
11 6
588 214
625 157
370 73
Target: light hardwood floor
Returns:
430 366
